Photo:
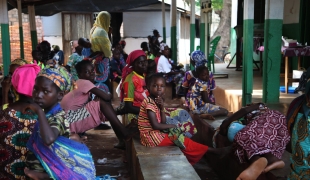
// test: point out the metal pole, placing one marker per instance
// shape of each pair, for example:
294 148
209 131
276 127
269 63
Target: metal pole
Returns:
163 10
192 30
202 30
5 36
173 17
21 33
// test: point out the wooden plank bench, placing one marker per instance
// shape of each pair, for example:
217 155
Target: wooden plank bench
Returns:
152 163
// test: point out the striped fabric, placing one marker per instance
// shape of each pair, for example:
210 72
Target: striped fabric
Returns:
149 137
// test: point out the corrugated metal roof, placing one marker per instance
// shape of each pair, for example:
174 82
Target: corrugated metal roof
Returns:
51 7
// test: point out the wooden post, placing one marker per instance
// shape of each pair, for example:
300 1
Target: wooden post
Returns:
163 10
33 30
21 33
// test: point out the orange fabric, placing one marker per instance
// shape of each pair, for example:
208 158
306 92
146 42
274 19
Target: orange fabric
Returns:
193 151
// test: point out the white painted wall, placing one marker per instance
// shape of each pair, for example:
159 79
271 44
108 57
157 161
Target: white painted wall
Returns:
52 28
291 11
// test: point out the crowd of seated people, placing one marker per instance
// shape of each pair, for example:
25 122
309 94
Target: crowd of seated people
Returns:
51 107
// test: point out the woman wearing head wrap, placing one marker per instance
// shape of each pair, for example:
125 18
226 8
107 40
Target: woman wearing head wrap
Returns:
259 137
6 82
52 154
101 44
197 59
16 126
299 126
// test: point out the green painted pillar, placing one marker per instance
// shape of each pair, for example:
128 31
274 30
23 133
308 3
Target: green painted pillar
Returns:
21 33
163 9
202 31
5 36
33 30
173 19
192 30
247 69
272 45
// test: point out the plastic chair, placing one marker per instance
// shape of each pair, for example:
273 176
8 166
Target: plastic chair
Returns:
213 45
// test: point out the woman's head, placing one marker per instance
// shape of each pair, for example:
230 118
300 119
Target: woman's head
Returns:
144 46
36 55
23 79
50 86
156 84
198 58
137 61
103 20
202 73
15 64
165 50
44 46
84 43
123 43
85 70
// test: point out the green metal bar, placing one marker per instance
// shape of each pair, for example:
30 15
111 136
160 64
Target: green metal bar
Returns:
202 37
21 40
164 34
247 68
192 41
34 39
6 48
174 43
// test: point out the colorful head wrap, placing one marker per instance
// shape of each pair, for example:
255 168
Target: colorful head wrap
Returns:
60 76
162 46
19 61
199 58
23 78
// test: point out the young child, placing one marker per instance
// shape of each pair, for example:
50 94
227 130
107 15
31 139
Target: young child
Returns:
199 98
82 112
52 154
152 122
86 51
73 60
117 65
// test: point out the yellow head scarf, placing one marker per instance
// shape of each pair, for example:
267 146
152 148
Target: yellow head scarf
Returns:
103 20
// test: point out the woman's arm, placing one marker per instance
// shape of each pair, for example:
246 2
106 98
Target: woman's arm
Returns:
205 97
48 134
237 115
99 93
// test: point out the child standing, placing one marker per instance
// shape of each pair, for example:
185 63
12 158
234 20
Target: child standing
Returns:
86 51
73 60
53 154
199 101
117 65
152 121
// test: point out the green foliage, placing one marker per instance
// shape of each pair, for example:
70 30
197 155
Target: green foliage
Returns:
217 4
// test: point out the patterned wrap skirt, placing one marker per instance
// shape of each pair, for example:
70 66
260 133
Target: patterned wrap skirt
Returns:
266 133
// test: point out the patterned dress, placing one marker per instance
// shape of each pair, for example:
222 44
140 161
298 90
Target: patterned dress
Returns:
73 60
102 68
196 103
115 66
189 80
15 130
266 133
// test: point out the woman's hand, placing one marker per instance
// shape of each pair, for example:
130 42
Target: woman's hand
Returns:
33 107
6 84
160 102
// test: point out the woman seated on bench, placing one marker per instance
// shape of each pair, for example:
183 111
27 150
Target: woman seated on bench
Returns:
259 137
200 102
198 58
154 131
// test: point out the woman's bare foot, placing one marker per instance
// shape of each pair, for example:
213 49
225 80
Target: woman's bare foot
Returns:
275 165
77 138
254 170
36 175
206 116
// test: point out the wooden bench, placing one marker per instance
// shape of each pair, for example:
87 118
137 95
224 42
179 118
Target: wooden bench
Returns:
152 163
